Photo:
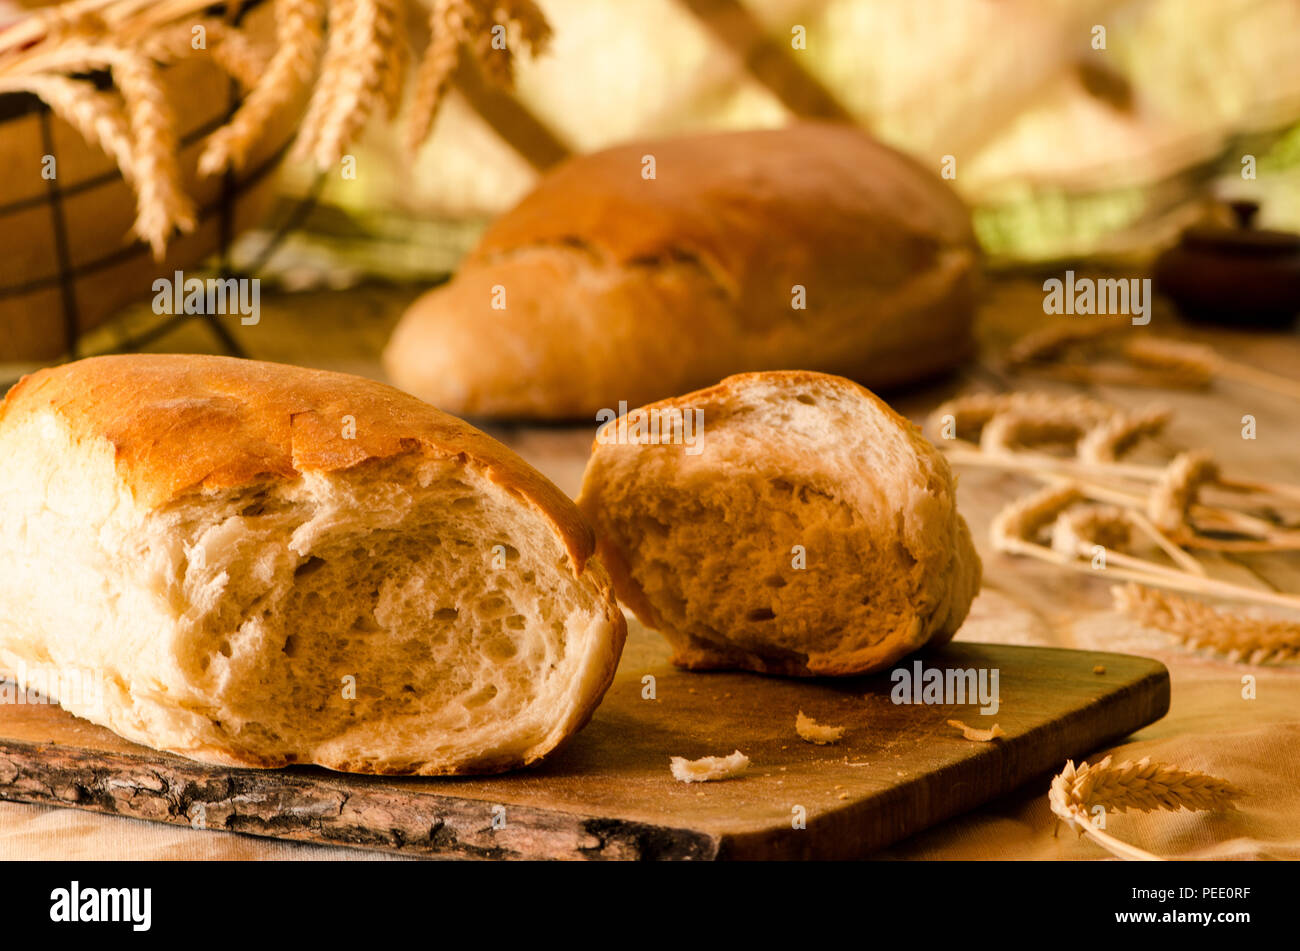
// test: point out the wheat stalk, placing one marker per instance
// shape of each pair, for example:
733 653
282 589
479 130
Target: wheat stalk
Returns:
1006 424
525 21
1141 786
530 30
534 30
1181 356
337 85
1076 354
1077 531
1165 543
70 21
1197 625
1173 500
299 27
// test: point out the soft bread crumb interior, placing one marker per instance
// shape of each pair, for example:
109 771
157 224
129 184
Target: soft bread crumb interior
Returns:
403 615
811 531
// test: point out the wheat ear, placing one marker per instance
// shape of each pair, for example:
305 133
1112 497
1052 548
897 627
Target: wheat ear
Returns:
1174 492
1174 497
1009 432
1176 355
1196 624
334 66
1141 786
243 61
161 204
1110 439
299 26
97 116
230 49
1019 523
1051 343
450 24
972 412
353 77
1078 529
531 30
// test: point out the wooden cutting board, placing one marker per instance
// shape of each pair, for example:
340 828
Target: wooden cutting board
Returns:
609 794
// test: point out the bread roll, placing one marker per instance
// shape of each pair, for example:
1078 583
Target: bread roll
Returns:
782 522
263 564
603 286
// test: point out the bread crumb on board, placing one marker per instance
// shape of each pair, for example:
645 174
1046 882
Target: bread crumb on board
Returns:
708 768
1099 669
979 736
810 731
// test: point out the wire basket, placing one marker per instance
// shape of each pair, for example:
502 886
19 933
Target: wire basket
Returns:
68 257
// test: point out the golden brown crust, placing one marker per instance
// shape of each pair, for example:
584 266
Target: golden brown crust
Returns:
718 197
622 288
183 423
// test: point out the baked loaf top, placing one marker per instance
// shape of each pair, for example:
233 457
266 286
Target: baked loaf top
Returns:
750 207
180 424
602 285
805 528
258 565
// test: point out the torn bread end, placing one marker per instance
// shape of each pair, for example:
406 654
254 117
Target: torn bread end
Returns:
708 768
810 731
979 736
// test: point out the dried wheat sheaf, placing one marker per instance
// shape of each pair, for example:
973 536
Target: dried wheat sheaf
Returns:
1236 635
1136 786
1097 512
351 55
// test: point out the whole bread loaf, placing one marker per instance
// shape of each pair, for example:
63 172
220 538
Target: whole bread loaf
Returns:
782 522
809 247
254 564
